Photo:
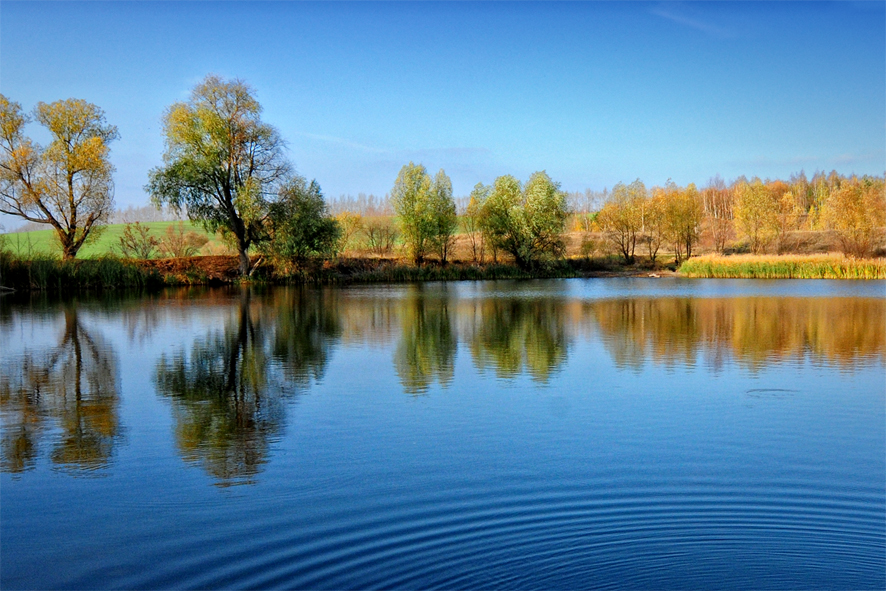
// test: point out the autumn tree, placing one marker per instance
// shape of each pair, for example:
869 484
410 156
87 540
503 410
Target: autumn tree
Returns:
137 242
425 211
222 164
717 202
756 214
655 222
178 242
350 224
527 221
788 212
68 184
622 217
684 213
857 211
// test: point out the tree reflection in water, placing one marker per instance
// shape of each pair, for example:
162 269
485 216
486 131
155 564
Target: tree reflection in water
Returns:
751 331
73 386
512 335
228 393
426 350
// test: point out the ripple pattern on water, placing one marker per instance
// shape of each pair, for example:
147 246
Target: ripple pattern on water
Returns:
592 534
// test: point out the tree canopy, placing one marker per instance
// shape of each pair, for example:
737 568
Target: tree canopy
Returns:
299 225
526 221
222 164
68 184
425 210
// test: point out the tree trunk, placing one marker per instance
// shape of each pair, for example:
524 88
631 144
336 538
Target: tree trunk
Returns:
244 260
69 247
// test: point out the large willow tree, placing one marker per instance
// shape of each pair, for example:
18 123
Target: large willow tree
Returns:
526 221
222 163
67 184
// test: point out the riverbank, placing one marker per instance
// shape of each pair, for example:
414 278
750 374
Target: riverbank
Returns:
831 266
54 275
51 274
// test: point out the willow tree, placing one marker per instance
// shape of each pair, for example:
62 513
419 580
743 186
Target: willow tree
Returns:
526 221
68 184
222 164
425 211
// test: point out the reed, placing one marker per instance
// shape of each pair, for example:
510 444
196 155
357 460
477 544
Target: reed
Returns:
784 267
47 273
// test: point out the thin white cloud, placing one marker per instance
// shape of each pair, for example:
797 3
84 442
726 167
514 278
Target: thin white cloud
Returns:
342 142
673 14
846 159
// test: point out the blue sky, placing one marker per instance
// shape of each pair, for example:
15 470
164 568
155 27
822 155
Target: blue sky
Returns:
594 93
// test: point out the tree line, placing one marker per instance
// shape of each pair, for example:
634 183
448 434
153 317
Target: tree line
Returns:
763 214
225 168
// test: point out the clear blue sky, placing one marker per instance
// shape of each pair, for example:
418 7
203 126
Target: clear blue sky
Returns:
594 93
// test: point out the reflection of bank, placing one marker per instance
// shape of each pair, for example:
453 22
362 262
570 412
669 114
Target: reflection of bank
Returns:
71 386
228 392
749 331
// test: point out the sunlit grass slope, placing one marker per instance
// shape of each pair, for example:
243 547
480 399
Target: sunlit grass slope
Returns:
42 242
784 267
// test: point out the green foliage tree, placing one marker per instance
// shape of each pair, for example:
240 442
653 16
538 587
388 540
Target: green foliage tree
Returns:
425 211
299 224
222 163
526 222
443 215
410 197
472 220
68 184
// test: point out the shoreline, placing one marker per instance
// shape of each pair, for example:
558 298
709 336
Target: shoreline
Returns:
53 275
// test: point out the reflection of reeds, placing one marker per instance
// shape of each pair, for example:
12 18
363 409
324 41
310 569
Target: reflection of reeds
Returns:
784 267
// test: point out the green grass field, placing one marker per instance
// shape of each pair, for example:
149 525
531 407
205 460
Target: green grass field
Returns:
43 242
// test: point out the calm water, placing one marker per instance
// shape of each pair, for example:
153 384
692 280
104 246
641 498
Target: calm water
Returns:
630 433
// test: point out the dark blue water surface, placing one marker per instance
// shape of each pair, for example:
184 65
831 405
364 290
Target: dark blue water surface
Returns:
627 433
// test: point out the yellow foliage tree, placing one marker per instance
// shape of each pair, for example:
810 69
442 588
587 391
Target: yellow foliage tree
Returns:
756 214
68 183
857 211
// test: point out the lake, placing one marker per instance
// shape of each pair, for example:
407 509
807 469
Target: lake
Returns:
583 433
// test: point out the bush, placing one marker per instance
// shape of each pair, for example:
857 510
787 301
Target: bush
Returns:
300 227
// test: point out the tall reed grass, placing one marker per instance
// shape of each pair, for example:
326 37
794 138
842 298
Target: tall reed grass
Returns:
48 273
783 267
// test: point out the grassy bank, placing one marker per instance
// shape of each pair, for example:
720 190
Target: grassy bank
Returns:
44 273
783 267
